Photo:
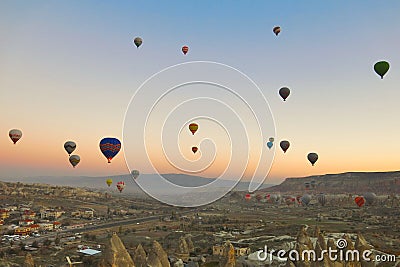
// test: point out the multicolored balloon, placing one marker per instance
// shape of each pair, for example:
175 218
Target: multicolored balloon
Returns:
70 147
15 135
74 160
110 147
284 92
381 68
305 200
284 145
276 30
185 49
120 186
138 41
193 127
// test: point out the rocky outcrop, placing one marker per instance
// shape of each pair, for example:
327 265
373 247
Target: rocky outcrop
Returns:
189 243
29 261
116 254
157 255
140 257
228 256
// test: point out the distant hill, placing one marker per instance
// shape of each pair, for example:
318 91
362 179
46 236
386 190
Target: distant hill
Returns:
350 182
131 186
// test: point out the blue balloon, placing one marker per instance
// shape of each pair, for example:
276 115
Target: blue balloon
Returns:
270 144
110 147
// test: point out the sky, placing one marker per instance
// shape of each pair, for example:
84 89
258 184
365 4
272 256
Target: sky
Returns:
68 70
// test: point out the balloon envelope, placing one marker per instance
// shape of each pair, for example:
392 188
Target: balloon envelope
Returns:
271 139
120 186
369 198
194 149
135 174
306 199
109 182
185 49
321 199
138 41
247 197
70 147
276 30
193 127
15 135
312 158
110 147
270 145
284 145
381 68
359 201
284 92
74 160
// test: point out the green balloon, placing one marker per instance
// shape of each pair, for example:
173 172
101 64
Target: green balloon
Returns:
381 68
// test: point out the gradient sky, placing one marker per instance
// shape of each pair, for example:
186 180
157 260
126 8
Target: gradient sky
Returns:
69 68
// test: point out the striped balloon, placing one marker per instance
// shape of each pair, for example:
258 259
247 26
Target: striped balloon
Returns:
185 49
110 147
360 201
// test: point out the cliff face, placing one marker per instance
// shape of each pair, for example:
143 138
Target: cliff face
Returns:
378 182
116 254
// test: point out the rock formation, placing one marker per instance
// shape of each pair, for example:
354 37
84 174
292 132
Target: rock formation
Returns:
157 255
139 257
29 261
228 256
116 254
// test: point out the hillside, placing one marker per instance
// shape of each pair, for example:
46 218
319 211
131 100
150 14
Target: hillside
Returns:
350 182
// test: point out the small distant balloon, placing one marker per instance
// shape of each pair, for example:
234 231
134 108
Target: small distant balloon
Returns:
247 197
369 198
276 30
74 160
138 41
15 135
305 200
109 182
271 139
321 199
284 92
381 68
185 49
359 201
284 145
194 149
312 158
110 147
193 127
135 174
70 147
270 144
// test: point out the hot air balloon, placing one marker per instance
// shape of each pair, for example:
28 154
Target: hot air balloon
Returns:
138 41
185 49
290 200
270 144
70 147
321 199
312 158
284 145
271 139
247 197
109 182
74 160
359 201
193 127
258 197
15 135
276 30
268 196
313 184
110 147
381 68
135 174
369 198
284 92
120 186
194 149
307 185
305 200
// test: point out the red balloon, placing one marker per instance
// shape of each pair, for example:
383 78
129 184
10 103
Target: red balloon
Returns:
185 49
247 197
360 201
194 149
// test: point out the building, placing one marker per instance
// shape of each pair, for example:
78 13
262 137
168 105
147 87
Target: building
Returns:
26 222
22 231
240 249
51 213
46 226
28 214
56 225
87 214
34 228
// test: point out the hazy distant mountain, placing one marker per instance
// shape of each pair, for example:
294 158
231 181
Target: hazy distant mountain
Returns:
350 182
131 187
